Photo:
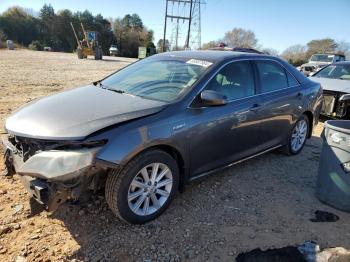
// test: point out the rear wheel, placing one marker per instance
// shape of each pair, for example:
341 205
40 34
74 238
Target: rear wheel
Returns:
144 188
101 53
97 54
298 136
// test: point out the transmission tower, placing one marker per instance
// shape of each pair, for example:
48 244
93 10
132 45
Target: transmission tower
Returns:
184 19
196 30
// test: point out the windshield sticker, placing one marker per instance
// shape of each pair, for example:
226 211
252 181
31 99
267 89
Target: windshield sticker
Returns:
199 62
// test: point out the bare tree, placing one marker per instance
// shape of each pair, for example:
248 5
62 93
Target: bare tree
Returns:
321 46
343 47
270 51
160 46
210 44
295 54
239 37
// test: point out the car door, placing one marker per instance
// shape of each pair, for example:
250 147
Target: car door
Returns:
223 134
281 101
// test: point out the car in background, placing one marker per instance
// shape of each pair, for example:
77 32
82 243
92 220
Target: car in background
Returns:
113 50
318 61
335 80
158 124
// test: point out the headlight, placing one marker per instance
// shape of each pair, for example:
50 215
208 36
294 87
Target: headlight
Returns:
346 167
59 165
336 137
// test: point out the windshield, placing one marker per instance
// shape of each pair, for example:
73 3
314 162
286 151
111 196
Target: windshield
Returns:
335 72
163 80
321 58
113 46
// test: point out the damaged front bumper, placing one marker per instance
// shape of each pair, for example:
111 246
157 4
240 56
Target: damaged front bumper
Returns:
52 176
335 104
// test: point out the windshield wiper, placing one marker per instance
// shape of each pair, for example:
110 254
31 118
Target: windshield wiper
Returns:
99 83
116 90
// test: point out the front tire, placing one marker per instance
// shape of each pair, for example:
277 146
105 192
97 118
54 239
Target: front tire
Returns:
144 188
298 136
80 53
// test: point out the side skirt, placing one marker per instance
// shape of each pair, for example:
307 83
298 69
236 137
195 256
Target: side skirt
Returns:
232 164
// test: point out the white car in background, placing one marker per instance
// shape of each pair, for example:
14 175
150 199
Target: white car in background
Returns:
335 80
113 50
318 61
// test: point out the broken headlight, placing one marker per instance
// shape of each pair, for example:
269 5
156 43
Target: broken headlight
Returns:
59 165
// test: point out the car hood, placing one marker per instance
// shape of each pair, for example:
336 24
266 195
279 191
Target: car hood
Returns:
77 113
337 85
315 64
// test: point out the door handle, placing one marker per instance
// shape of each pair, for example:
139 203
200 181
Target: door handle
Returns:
255 107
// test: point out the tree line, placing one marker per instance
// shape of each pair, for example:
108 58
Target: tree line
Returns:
53 29
295 54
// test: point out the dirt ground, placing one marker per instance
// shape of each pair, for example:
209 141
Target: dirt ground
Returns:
265 202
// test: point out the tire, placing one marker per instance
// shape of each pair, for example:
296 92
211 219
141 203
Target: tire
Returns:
101 53
97 54
80 53
120 187
290 148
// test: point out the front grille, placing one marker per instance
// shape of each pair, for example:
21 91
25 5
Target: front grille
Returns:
309 68
27 147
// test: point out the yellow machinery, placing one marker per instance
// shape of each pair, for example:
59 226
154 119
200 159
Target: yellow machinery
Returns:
89 45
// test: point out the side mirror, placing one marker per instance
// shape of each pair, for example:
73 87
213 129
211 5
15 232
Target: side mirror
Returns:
213 98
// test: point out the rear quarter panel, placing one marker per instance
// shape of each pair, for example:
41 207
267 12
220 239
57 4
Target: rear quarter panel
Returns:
313 98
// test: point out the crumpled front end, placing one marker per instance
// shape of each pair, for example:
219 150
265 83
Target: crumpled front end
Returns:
335 104
53 171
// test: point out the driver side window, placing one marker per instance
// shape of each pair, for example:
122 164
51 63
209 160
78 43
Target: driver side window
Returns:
235 81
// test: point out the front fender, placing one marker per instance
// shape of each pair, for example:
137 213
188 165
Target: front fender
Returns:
123 146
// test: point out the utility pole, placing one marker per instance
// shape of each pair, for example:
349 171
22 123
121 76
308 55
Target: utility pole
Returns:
189 26
166 14
177 36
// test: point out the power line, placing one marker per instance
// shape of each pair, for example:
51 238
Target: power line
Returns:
190 16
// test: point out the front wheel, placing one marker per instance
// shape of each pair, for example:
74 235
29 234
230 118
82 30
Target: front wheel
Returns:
298 136
144 188
80 53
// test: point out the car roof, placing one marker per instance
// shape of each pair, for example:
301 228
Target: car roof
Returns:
218 57
330 54
213 56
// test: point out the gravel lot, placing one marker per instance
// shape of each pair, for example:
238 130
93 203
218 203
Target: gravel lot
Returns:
265 202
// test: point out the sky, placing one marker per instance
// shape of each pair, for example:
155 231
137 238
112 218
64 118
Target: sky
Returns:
277 24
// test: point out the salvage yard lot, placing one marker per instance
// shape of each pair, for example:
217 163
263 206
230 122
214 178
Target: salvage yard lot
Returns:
263 203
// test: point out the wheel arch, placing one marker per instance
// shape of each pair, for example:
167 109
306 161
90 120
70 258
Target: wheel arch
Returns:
310 117
173 152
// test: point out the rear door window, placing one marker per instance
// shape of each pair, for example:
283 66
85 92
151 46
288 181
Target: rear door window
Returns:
272 76
291 80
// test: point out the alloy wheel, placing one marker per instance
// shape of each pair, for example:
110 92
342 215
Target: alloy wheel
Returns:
150 189
299 135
